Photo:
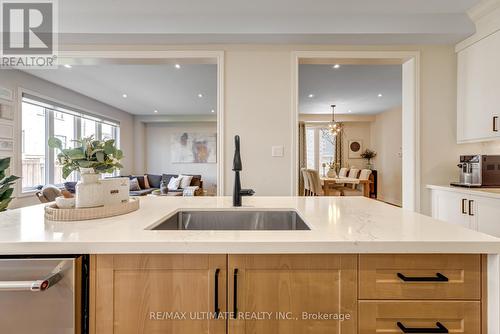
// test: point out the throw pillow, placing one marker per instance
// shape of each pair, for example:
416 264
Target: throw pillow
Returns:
154 180
173 184
140 179
196 181
146 182
70 186
134 184
185 181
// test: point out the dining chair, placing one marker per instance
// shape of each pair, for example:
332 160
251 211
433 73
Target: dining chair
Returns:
353 173
343 172
307 187
364 175
315 182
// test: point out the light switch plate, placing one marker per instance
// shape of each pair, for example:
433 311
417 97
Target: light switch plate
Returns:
277 151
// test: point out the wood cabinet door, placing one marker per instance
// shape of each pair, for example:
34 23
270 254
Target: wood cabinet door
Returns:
152 294
292 294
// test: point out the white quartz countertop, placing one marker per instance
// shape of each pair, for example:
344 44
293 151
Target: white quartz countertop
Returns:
338 225
484 192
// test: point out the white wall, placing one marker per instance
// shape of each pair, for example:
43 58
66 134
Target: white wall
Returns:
14 79
258 95
386 135
139 166
258 107
356 131
159 155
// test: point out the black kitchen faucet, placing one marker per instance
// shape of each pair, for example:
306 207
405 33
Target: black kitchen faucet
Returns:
238 192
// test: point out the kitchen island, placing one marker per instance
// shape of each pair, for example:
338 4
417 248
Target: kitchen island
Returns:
361 259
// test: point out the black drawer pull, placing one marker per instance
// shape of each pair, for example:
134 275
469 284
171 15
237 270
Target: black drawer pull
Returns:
235 293
216 293
438 278
440 329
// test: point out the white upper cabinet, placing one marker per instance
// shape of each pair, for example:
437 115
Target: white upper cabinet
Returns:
478 91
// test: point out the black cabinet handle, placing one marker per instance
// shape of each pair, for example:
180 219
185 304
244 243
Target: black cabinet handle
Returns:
439 329
471 213
463 206
216 293
438 278
495 120
235 293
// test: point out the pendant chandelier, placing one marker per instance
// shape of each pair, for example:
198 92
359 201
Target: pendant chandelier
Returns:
334 127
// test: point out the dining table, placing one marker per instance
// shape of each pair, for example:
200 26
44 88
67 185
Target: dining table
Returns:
330 183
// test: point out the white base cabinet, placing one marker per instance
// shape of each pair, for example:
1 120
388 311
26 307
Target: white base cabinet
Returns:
479 213
452 208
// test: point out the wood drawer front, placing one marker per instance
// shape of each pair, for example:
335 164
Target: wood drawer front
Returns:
459 317
378 276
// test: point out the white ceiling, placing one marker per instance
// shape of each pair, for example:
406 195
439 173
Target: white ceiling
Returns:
163 87
276 21
350 87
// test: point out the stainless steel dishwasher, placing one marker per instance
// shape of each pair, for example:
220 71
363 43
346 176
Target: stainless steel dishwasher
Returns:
44 294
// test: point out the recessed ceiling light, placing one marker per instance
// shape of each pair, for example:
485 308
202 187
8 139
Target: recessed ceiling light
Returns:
336 66
310 96
379 95
156 111
212 110
68 66
200 95
177 66
124 96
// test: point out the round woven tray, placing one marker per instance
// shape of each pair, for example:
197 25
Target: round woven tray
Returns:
52 212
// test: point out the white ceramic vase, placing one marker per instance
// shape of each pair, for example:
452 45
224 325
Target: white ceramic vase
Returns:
331 173
89 190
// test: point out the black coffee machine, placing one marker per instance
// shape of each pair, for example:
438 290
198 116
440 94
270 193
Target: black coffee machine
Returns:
479 171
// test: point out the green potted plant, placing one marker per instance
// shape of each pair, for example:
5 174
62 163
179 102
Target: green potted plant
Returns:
6 183
368 155
89 157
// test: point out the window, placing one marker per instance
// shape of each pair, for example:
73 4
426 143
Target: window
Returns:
42 119
89 128
34 148
64 129
310 147
320 147
326 146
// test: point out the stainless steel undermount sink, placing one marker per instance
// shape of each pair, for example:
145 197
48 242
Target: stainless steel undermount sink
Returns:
230 220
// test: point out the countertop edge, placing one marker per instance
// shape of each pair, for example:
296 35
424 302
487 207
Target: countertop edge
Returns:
348 247
463 190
